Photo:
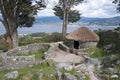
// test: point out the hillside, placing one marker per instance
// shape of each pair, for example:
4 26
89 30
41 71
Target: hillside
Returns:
85 20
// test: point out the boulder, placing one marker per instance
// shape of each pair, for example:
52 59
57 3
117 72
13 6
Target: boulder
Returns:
110 70
115 76
40 76
118 62
94 61
64 65
58 75
68 76
11 75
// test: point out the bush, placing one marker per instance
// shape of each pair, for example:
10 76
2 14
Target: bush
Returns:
109 41
54 37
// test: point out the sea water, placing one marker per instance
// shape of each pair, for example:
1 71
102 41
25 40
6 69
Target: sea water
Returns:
54 28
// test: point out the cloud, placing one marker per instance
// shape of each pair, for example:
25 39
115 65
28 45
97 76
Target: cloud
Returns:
91 8
48 10
98 8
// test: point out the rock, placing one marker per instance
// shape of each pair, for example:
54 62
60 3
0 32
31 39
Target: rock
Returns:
58 75
106 58
110 70
96 62
50 53
68 76
65 65
68 68
11 75
51 76
80 67
118 62
50 62
40 76
105 62
81 76
114 76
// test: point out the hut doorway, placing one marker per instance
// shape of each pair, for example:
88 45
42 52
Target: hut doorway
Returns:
76 44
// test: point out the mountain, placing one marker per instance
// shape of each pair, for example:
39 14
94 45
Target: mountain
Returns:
101 21
84 20
52 19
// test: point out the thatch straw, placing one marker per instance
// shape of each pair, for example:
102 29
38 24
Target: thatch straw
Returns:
83 34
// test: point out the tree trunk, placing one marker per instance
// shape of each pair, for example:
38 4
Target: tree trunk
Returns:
15 38
12 40
65 23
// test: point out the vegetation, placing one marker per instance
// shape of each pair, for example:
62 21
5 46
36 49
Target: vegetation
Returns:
74 15
73 71
0 59
117 2
35 38
108 51
110 40
38 55
17 13
63 10
40 38
33 73
97 53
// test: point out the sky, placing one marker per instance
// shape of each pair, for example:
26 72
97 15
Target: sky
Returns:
90 8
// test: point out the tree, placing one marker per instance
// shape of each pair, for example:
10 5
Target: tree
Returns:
74 15
63 10
117 2
17 13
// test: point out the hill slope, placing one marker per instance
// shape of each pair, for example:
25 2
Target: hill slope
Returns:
86 20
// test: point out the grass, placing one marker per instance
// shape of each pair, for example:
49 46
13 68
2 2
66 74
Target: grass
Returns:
87 77
2 73
73 71
97 53
38 55
32 73
0 59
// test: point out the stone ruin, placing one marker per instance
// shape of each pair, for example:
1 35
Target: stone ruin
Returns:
11 60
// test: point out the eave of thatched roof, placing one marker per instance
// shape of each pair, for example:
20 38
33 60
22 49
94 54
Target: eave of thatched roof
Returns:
83 34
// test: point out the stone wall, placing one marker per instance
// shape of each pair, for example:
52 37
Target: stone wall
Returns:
88 44
70 44
63 47
10 60
28 49
18 59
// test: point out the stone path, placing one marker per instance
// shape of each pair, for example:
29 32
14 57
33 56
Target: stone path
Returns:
61 56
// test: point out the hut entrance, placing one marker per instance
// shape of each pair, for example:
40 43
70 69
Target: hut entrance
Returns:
76 44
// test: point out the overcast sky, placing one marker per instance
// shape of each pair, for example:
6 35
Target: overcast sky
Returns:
92 8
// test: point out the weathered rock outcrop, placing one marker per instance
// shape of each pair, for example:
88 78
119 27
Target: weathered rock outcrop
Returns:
11 75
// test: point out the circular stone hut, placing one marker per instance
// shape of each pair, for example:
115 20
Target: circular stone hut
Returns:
82 38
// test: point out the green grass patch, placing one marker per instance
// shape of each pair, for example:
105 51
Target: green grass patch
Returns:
2 73
73 71
87 77
38 55
39 38
32 73
97 53
0 59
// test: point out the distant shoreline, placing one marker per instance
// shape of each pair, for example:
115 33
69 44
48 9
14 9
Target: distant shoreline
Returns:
50 28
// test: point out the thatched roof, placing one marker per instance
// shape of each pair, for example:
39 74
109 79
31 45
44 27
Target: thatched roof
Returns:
83 34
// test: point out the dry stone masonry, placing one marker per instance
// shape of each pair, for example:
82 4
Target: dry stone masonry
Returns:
11 60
